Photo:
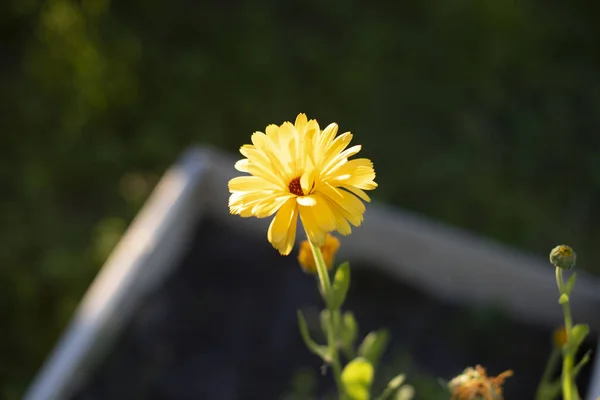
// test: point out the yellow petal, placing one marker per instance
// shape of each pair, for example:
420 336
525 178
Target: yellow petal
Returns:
341 158
358 192
311 226
272 131
328 135
346 203
317 219
307 201
268 174
280 226
323 214
268 206
336 147
269 146
287 246
242 165
301 122
358 173
250 184
254 155
307 180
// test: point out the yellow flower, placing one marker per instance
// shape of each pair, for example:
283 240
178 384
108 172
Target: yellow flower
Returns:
560 337
474 384
299 170
329 249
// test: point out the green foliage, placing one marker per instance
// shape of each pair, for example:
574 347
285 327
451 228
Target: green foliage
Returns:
577 336
425 386
320 350
340 285
478 113
392 387
374 345
348 334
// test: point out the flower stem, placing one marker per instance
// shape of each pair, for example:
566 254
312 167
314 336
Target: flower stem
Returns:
569 387
322 273
326 292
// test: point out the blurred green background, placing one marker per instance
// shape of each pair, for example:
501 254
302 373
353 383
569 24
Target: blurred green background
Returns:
479 113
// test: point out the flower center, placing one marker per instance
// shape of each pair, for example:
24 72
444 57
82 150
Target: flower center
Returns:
295 187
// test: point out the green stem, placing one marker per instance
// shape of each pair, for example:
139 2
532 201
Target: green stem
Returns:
331 332
322 273
546 382
569 387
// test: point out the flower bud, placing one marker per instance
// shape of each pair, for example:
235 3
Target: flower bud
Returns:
563 257
329 249
560 337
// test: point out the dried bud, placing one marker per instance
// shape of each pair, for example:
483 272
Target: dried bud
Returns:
474 384
563 257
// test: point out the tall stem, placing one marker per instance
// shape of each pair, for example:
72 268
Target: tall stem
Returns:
569 387
326 292
322 273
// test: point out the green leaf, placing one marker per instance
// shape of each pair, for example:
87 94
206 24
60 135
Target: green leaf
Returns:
320 350
396 382
563 299
350 328
392 386
577 335
570 284
348 334
357 378
341 282
584 360
373 345
325 322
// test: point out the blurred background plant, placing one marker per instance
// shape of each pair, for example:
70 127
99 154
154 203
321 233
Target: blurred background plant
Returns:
482 114
304 384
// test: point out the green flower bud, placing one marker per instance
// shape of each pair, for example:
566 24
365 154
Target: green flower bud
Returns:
563 257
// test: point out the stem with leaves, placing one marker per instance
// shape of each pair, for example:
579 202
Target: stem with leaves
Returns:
569 388
331 326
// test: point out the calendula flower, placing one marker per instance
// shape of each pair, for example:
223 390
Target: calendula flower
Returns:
560 337
328 249
300 170
474 384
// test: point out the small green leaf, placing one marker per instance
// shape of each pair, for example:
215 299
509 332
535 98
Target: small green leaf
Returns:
577 335
570 284
397 381
350 326
325 322
357 378
584 360
392 386
341 282
321 351
374 345
563 299
348 334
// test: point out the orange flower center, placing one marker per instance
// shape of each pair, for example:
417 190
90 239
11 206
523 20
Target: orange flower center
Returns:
295 187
